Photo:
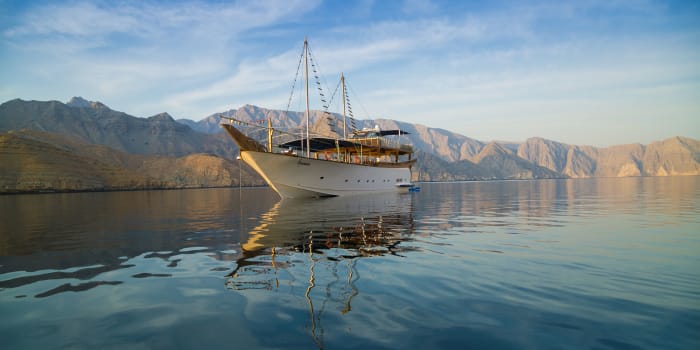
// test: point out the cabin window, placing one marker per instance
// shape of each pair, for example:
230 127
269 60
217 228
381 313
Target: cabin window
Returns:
322 177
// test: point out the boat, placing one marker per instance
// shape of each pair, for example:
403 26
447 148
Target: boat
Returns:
354 161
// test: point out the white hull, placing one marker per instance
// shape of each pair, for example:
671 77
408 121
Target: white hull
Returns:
297 177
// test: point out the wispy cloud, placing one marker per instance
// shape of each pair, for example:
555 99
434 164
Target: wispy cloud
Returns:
82 19
119 48
249 78
450 61
125 24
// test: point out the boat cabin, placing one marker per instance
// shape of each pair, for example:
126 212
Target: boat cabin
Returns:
367 146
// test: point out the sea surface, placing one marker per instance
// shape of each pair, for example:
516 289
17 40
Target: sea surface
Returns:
548 264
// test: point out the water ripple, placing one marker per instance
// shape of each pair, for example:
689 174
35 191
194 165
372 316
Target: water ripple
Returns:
599 263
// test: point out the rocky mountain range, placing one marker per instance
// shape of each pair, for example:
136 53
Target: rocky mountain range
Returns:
85 145
95 123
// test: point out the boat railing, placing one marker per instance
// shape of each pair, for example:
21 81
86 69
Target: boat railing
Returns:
383 143
354 158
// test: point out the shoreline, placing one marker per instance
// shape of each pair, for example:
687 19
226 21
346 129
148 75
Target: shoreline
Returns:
57 191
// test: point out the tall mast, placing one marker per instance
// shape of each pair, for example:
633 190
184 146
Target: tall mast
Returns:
342 86
306 74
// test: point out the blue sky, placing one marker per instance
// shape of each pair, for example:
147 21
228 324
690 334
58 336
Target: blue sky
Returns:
582 72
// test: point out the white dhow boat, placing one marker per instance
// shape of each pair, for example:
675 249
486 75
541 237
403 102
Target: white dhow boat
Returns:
352 162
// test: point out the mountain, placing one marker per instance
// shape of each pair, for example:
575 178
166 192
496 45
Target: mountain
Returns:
208 125
549 154
502 163
442 143
85 145
95 123
580 162
28 164
33 160
674 156
79 102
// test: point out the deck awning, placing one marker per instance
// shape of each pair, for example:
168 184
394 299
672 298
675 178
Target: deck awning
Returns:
318 144
371 146
375 132
392 132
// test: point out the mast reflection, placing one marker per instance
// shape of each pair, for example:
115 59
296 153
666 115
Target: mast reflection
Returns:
312 248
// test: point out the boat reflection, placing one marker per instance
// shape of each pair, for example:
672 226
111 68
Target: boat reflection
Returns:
311 248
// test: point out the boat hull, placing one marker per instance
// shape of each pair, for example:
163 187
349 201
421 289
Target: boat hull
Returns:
298 177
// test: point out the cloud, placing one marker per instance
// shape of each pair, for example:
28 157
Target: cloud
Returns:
116 37
83 19
117 49
96 24
250 77
133 47
409 59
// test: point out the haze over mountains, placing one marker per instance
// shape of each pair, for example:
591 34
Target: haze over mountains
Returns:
84 145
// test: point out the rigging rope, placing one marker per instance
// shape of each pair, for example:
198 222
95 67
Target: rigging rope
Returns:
294 84
330 120
353 122
360 102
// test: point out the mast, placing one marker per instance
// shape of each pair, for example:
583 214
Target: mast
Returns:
342 86
306 76
269 133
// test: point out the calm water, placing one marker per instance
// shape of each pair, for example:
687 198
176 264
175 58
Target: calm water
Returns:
600 264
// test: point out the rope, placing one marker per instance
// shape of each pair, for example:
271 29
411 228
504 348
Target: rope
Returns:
331 121
294 84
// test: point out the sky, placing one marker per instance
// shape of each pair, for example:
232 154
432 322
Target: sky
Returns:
583 72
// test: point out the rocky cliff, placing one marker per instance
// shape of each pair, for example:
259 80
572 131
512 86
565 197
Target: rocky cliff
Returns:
674 156
35 161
